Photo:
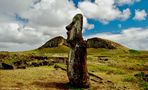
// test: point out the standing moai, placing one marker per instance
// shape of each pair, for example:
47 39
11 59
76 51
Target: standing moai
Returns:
77 60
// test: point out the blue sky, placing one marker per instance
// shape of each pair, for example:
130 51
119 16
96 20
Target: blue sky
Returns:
28 24
116 26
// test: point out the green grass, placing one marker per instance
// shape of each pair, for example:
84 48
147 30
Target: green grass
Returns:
129 78
60 49
141 81
122 64
143 84
107 52
61 65
104 68
132 51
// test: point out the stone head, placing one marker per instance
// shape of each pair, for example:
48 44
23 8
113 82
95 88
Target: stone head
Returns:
75 28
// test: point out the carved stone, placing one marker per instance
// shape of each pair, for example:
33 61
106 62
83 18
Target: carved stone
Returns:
77 66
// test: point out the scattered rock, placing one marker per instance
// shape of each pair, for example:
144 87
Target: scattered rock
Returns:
106 59
145 78
7 66
45 63
50 63
35 64
56 66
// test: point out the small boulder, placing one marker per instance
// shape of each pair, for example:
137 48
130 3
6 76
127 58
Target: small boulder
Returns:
45 62
35 64
7 66
50 63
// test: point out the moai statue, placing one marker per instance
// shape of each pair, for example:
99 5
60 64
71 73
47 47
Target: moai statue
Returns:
77 66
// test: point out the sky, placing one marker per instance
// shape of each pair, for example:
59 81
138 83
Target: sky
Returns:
28 24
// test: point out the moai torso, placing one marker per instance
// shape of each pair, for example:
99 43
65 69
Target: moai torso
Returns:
77 65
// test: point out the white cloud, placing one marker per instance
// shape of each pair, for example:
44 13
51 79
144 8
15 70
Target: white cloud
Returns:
125 14
140 15
15 6
103 10
12 34
9 8
134 38
47 19
52 13
10 46
123 2
90 26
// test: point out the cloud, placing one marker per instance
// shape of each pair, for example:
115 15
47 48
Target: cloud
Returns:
134 38
103 10
90 26
10 46
52 13
123 2
45 20
13 37
140 15
8 9
125 14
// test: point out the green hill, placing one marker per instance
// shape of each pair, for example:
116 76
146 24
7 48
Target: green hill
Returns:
54 42
91 43
96 46
102 43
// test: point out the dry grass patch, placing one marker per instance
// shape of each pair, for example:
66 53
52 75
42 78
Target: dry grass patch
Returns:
33 78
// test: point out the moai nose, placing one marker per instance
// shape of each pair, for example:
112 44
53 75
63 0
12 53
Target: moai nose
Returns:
68 27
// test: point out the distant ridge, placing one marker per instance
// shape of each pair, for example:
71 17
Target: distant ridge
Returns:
91 43
54 42
102 43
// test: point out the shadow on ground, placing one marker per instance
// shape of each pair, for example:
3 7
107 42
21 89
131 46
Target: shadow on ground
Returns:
55 85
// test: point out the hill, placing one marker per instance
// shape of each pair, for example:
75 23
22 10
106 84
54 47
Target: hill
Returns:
91 43
102 43
54 42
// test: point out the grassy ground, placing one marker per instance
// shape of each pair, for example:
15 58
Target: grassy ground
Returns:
33 79
117 68
41 78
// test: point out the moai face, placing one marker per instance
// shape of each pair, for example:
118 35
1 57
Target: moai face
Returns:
75 28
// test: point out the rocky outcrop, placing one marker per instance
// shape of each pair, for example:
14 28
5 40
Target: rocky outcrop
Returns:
7 66
20 64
